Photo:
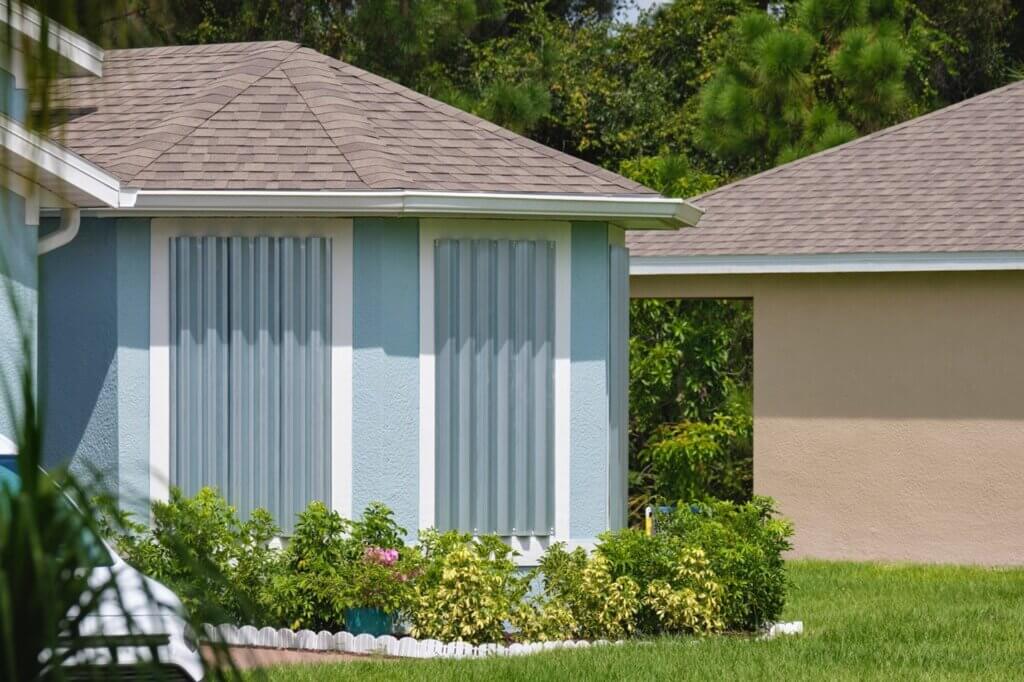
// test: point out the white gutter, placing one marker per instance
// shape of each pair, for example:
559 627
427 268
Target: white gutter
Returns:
7 446
70 219
86 56
639 212
826 262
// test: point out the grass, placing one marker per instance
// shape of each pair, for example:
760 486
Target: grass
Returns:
862 621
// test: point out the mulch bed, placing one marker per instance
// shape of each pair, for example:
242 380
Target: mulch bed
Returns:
247 657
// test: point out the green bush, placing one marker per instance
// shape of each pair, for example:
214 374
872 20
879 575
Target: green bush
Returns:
310 592
601 605
199 548
691 602
744 545
329 567
711 566
468 589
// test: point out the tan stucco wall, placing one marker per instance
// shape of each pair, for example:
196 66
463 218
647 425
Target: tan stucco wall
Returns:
888 409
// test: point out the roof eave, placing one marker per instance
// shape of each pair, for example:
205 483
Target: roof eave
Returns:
629 212
62 172
807 263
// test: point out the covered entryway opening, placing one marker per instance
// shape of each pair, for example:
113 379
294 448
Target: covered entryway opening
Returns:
691 394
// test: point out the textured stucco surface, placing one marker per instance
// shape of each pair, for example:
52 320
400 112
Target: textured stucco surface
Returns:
588 470
385 367
888 409
18 283
78 341
94 367
133 244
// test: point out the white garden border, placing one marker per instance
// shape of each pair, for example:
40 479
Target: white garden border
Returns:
408 647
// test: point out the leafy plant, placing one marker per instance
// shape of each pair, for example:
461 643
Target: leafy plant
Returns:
601 605
691 601
743 544
189 536
468 598
381 579
309 591
693 460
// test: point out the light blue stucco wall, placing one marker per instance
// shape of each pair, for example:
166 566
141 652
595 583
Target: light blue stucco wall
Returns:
385 367
589 427
14 102
94 355
18 285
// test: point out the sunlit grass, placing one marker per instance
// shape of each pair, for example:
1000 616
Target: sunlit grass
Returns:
863 621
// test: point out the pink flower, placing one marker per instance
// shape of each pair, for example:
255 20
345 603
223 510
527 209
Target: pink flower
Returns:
379 555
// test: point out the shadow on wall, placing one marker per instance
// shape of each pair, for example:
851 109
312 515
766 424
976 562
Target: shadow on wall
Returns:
77 348
927 345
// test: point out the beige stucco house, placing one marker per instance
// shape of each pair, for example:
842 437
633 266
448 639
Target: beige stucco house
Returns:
887 280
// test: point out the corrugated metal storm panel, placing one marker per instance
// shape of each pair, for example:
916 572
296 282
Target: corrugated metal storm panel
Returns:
250 370
618 386
494 306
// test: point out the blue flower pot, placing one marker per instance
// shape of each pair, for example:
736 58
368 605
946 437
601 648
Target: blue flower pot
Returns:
369 622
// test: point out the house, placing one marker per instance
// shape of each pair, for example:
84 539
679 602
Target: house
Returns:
272 272
888 299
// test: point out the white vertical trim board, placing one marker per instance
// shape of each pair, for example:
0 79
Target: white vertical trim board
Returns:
340 232
432 229
429 232
159 362
341 372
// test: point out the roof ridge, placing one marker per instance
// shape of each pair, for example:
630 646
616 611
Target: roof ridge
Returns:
130 52
206 120
366 132
859 140
483 124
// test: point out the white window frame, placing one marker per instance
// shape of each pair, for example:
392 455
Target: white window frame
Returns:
432 229
339 230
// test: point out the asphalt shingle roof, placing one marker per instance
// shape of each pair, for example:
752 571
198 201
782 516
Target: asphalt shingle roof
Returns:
949 181
277 116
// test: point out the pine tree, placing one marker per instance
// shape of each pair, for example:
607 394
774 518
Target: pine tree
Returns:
822 74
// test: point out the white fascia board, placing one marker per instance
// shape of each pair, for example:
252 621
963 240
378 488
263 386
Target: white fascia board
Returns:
826 262
53 159
87 57
629 212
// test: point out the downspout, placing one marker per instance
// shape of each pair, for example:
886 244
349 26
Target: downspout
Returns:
70 219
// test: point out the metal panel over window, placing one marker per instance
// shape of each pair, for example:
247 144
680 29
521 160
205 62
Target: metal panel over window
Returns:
250 370
494 326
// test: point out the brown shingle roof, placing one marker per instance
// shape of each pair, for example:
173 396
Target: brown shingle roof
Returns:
277 116
949 181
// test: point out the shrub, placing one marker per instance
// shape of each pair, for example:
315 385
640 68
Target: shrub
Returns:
543 621
743 544
645 559
200 549
329 566
601 606
692 601
310 591
468 590
381 579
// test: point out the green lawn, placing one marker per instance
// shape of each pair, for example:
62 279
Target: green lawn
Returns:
862 621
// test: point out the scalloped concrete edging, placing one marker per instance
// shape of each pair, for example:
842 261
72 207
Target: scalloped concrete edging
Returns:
346 642
408 647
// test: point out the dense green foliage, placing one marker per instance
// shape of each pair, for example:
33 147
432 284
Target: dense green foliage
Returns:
862 622
718 568
741 545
